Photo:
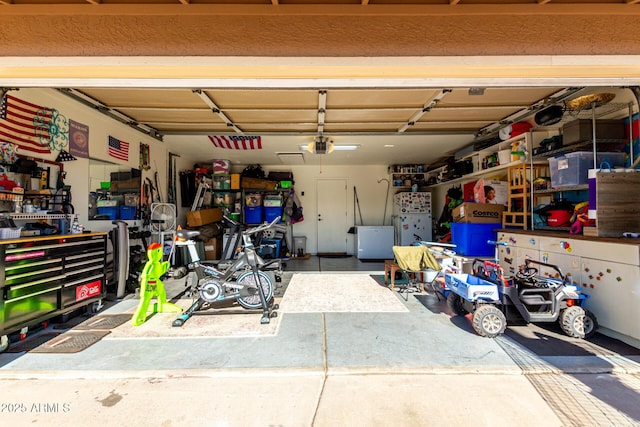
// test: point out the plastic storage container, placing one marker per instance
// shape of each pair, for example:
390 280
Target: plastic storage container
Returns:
127 212
221 182
110 211
221 166
271 212
270 248
253 199
10 233
471 239
300 245
271 201
504 156
253 214
224 199
573 168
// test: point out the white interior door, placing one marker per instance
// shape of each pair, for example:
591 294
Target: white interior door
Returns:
332 215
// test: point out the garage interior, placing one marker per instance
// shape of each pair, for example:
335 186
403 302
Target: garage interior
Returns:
428 78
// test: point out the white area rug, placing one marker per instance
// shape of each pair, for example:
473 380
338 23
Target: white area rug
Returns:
313 293
225 322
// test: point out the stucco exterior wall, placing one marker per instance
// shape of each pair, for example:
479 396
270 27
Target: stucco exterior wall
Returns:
313 35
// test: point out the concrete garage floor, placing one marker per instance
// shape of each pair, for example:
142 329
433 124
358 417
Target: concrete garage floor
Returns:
417 366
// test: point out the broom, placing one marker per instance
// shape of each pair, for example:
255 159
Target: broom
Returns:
352 230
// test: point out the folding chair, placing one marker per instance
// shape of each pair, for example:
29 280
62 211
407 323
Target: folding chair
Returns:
419 267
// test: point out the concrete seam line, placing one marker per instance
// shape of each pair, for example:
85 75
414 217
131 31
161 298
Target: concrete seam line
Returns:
324 366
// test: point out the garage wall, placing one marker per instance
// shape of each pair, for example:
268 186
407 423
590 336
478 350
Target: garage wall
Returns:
371 196
100 127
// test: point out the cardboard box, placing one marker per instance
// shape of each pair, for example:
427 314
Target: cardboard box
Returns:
258 184
501 188
213 248
478 213
203 217
235 181
132 184
581 130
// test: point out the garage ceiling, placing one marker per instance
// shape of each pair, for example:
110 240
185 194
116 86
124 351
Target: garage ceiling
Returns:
391 126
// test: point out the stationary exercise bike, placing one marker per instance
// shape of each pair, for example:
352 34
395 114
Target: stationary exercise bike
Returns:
238 281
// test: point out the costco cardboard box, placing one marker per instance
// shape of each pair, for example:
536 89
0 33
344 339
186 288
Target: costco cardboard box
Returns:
478 213
204 217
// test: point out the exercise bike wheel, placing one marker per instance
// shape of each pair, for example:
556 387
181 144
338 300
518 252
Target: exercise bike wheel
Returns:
250 299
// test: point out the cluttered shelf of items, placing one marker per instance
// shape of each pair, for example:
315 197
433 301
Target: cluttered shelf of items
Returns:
248 198
31 202
577 179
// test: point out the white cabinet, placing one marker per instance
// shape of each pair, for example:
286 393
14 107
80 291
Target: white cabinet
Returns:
614 290
563 253
519 248
608 272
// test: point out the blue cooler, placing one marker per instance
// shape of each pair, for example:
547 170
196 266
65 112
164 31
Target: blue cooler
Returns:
253 214
471 239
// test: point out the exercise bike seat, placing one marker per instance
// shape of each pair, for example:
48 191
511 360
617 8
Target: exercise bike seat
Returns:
187 234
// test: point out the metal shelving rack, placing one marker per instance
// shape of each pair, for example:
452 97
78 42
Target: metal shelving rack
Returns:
593 113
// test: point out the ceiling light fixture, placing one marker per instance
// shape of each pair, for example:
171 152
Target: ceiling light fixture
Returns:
324 145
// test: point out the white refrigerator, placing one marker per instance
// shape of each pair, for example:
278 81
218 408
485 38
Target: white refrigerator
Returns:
412 217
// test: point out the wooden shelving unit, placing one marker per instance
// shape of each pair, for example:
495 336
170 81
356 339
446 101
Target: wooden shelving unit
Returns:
519 204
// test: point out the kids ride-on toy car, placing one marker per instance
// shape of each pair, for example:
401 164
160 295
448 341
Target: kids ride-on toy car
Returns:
495 300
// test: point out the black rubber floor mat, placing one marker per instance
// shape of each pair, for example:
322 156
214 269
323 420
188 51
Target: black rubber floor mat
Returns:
32 342
71 342
103 322
71 323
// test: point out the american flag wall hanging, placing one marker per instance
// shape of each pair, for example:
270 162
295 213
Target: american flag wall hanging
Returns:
118 149
18 124
237 142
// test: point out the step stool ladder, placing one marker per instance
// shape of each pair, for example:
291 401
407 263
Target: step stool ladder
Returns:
519 178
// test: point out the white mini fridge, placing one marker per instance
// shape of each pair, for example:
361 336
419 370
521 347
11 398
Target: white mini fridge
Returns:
412 217
374 242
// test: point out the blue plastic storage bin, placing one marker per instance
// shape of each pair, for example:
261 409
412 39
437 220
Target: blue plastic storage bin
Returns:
253 214
127 212
270 213
471 239
270 248
111 211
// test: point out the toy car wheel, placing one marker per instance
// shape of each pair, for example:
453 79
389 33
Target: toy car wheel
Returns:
577 322
455 304
4 343
488 321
